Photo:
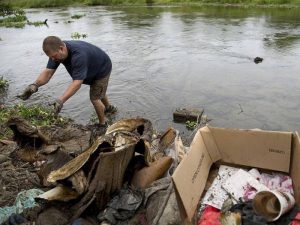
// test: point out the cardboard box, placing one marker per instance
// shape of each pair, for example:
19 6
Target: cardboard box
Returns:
271 150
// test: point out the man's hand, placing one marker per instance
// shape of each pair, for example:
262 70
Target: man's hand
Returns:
32 88
57 104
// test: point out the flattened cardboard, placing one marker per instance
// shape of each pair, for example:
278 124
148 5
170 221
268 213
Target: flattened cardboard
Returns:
253 148
190 176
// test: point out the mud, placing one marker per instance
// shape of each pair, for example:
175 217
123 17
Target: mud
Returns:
15 175
18 157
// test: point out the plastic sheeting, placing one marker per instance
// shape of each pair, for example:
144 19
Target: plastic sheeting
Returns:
25 199
122 207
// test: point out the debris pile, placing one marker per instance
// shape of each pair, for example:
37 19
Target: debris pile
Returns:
238 196
105 182
129 174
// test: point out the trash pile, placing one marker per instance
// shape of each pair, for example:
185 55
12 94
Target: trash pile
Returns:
129 174
238 196
113 180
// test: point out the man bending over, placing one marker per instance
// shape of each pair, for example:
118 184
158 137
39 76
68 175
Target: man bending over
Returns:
86 63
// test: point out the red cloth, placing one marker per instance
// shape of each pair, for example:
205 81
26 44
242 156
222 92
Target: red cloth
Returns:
210 216
297 221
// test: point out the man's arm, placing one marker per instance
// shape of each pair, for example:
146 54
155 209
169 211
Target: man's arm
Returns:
71 90
44 77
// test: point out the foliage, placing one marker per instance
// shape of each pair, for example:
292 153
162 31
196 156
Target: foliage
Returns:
37 115
77 16
8 10
37 23
41 3
58 3
10 17
3 83
191 125
93 119
77 35
17 21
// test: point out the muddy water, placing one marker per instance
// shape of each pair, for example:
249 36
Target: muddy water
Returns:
169 57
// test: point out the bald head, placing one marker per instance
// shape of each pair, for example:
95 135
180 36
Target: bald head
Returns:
52 44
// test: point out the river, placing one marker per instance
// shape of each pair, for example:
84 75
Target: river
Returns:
170 57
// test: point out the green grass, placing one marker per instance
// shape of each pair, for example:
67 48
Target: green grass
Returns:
191 125
36 115
3 83
41 3
77 35
7 10
20 24
77 16
11 17
93 119
12 21
36 23
255 2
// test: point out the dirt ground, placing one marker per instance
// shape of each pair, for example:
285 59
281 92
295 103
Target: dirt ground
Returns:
15 175
18 172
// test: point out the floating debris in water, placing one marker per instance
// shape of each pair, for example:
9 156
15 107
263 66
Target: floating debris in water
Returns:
258 60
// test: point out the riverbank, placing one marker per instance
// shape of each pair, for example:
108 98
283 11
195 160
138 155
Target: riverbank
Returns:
59 3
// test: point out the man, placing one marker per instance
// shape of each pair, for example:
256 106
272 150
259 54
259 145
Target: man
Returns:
86 63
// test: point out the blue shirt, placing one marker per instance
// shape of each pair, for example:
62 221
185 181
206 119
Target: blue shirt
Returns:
85 62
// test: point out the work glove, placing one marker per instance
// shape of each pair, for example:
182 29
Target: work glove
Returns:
32 88
57 104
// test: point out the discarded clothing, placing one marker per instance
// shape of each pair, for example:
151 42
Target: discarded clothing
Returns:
231 218
81 221
53 216
274 181
289 218
249 217
296 220
122 207
160 203
16 219
210 216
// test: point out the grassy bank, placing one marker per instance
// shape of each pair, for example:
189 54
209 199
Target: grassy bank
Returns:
15 17
36 115
57 3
